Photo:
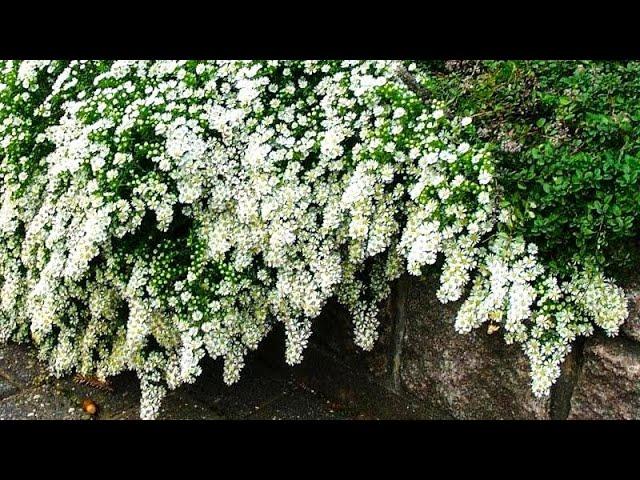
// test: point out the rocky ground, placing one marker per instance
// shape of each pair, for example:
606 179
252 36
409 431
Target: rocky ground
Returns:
321 388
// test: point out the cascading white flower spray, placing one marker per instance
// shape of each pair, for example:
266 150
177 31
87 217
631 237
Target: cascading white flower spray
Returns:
154 212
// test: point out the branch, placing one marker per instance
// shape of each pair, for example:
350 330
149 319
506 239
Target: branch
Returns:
410 81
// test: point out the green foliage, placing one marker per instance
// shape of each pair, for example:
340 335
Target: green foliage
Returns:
566 139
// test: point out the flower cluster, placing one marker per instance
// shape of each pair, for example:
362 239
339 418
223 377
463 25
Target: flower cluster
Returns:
516 293
155 212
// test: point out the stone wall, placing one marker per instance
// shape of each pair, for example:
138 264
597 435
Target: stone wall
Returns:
478 376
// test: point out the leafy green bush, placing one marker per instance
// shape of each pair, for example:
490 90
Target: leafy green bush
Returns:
566 139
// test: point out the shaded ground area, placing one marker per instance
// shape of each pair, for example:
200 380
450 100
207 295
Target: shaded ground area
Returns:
321 388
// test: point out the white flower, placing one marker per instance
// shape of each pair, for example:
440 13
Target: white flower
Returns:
463 148
444 194
399 112
97 163
429 159
330 145
484 177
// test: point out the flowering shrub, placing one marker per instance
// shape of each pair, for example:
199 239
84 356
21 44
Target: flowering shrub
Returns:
565 139
154 212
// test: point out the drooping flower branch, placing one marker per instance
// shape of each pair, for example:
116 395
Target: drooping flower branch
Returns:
154 212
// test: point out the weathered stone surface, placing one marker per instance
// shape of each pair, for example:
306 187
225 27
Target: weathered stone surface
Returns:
334 331
42 403
6 389
124 396
631 327
247 396
355 382
259 384
19 363
562 390
608 385
298 404
474 376
353 394
177 405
